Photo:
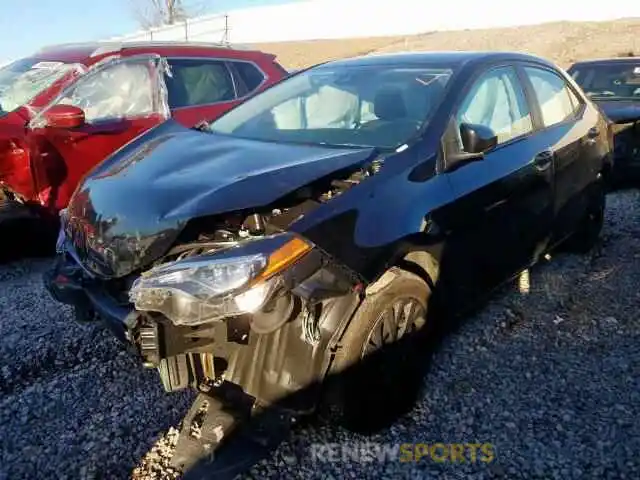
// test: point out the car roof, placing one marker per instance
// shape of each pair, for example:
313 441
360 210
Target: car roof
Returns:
607 61
453 58
90 52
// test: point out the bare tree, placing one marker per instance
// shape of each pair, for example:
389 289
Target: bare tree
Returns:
154 13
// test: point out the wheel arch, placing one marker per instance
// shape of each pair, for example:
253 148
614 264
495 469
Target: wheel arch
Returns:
421 261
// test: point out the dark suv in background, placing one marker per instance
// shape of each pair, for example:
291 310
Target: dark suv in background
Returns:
614 85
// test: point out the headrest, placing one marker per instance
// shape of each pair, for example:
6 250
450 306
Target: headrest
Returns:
388 104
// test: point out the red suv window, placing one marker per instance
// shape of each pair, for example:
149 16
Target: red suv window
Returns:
199 82
249 75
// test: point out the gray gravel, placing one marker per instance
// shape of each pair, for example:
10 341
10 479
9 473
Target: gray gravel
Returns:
550 378
72 403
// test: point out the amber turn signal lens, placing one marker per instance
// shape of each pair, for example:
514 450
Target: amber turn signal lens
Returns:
284 256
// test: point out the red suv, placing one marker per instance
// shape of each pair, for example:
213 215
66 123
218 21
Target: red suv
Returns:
66 108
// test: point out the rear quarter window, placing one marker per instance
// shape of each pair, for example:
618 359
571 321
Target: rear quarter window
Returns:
249 75
557 101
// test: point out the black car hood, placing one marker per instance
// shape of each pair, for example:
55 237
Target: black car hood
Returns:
621 111
131 208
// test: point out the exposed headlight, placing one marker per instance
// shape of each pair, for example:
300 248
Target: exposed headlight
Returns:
210 287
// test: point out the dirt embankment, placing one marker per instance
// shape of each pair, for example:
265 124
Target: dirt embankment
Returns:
561 42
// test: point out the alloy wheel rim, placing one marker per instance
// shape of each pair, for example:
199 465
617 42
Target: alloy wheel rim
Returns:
402 316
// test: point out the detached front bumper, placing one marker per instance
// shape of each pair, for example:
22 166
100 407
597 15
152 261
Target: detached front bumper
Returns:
67 282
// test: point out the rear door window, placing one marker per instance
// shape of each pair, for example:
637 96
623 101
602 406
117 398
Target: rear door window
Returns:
557 102
195 82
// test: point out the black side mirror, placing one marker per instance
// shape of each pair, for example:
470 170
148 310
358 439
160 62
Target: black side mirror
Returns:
477 138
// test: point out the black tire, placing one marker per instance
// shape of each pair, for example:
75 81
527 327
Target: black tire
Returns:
586 236
376 386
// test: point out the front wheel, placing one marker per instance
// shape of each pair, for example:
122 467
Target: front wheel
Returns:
379 361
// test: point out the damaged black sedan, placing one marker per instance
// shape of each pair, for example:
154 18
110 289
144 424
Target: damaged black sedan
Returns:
320 220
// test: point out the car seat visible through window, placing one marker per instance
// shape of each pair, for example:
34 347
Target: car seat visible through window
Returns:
199 82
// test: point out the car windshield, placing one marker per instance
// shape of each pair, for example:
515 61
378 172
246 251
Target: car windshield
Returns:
379 106
22 80
611 81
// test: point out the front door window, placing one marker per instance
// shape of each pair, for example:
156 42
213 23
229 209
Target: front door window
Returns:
128 88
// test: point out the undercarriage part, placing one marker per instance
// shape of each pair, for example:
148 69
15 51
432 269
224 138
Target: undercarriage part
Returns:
182 354
187 370
205 426
222 435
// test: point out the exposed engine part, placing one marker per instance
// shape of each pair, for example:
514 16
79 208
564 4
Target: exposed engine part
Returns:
209 234
376 165
149 344
310 331
280 310
255 224
182 354
185 370
282 218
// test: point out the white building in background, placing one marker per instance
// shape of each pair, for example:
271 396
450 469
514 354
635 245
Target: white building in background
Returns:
331 19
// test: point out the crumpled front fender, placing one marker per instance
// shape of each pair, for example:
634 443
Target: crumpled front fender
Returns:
270 367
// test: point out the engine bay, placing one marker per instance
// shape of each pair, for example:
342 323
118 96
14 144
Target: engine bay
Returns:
208 234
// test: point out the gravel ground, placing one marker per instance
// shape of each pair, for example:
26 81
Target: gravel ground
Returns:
550 378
